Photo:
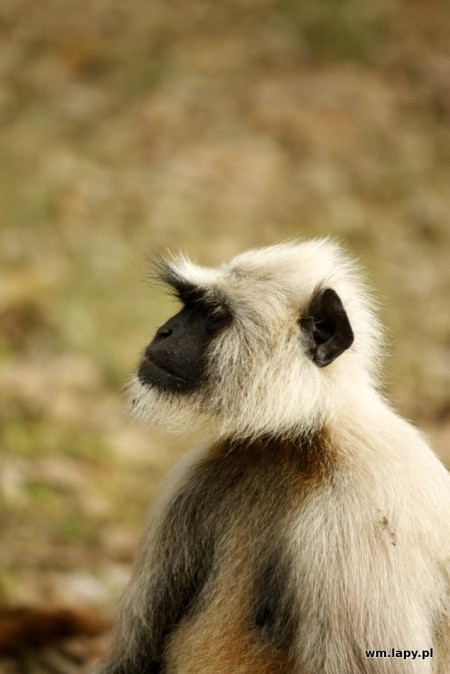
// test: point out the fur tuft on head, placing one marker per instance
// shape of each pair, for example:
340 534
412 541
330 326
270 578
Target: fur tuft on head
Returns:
279 367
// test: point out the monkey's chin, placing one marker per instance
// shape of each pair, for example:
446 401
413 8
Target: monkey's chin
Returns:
170 411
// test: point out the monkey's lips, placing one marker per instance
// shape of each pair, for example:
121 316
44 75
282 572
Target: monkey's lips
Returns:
153 375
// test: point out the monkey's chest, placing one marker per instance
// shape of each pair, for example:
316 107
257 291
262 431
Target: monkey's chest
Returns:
221 639
241 616
243 619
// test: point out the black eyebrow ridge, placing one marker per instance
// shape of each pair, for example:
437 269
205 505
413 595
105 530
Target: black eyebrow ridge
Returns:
186 291
164 274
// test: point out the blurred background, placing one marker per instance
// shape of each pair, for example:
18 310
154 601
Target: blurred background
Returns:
208 127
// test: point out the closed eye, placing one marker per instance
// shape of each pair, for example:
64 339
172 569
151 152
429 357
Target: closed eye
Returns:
217 315
215 312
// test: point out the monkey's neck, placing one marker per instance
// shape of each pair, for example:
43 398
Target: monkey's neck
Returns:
357 430
309 455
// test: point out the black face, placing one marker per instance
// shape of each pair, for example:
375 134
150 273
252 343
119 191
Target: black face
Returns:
176 359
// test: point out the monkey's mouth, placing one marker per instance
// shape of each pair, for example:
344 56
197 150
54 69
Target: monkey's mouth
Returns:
153 375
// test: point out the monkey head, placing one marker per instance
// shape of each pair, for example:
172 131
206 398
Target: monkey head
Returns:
279 339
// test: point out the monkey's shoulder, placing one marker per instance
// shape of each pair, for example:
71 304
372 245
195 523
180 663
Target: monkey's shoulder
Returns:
269 472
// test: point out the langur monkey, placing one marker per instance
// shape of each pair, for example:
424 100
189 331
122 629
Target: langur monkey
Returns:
314 525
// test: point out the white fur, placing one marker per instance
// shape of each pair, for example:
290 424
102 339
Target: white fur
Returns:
380 540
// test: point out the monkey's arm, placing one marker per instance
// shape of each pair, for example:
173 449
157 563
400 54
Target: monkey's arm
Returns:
172 566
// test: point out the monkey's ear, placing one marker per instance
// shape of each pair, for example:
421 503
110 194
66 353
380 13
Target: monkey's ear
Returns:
327 327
